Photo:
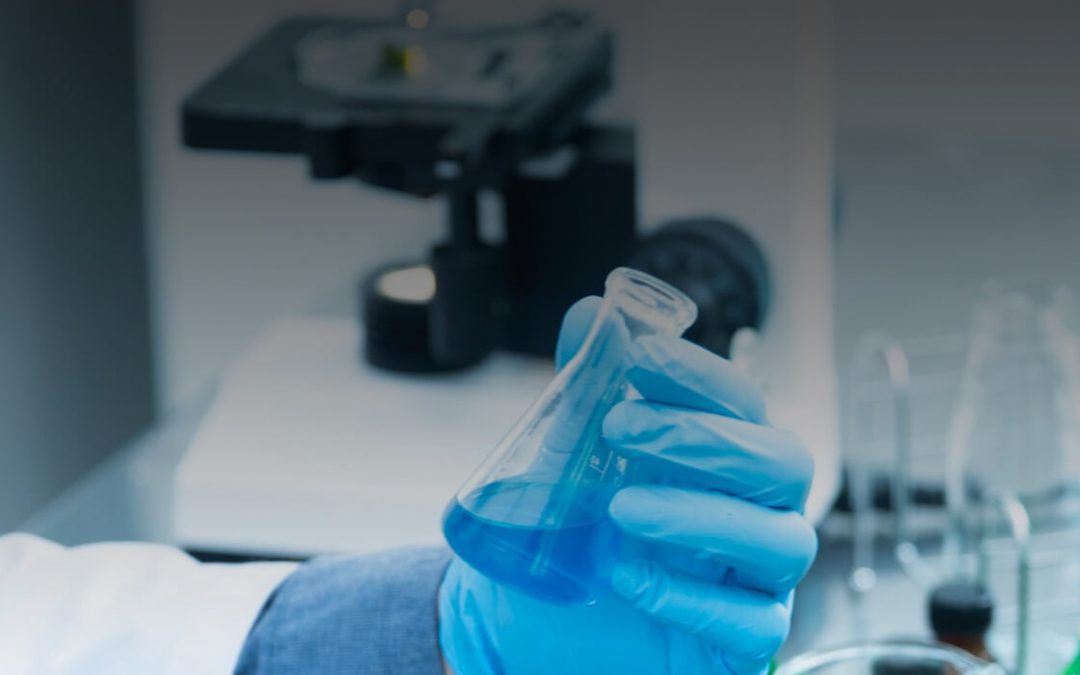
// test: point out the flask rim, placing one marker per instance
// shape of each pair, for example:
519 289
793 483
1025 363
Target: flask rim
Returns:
652 293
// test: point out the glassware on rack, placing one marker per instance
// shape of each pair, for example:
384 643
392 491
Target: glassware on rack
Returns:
1015 529
1012 428
1063 328
874 351
1013 442
534 514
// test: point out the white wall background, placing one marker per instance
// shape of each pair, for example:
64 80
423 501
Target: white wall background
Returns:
994 69
958 153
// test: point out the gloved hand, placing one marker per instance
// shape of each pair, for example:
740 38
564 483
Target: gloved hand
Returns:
713 595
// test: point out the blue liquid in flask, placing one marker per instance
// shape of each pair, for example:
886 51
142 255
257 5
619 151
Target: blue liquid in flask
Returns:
508 531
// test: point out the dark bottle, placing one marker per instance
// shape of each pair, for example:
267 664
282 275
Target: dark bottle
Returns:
961 612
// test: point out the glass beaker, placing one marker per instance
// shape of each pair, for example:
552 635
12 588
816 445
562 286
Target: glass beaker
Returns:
1013 423
534 515
889 658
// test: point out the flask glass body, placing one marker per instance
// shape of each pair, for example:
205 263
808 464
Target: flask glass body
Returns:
534 515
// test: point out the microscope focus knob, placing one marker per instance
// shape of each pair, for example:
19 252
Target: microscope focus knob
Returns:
719 266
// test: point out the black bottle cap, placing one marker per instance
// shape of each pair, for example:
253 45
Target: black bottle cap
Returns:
961 607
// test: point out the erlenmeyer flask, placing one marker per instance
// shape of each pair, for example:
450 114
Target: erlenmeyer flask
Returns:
534 514
1013 423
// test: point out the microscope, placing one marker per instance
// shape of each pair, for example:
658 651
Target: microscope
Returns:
498 123
454 113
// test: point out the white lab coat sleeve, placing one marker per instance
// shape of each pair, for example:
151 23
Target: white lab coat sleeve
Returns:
123 608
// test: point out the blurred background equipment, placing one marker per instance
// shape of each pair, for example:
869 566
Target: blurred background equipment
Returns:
424 109
988 420
961 612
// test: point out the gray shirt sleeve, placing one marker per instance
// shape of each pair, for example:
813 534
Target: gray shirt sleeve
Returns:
362 615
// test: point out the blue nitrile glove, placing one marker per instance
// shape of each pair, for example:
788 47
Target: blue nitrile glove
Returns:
714 594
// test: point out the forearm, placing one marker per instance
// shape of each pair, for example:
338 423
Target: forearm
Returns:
361 614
